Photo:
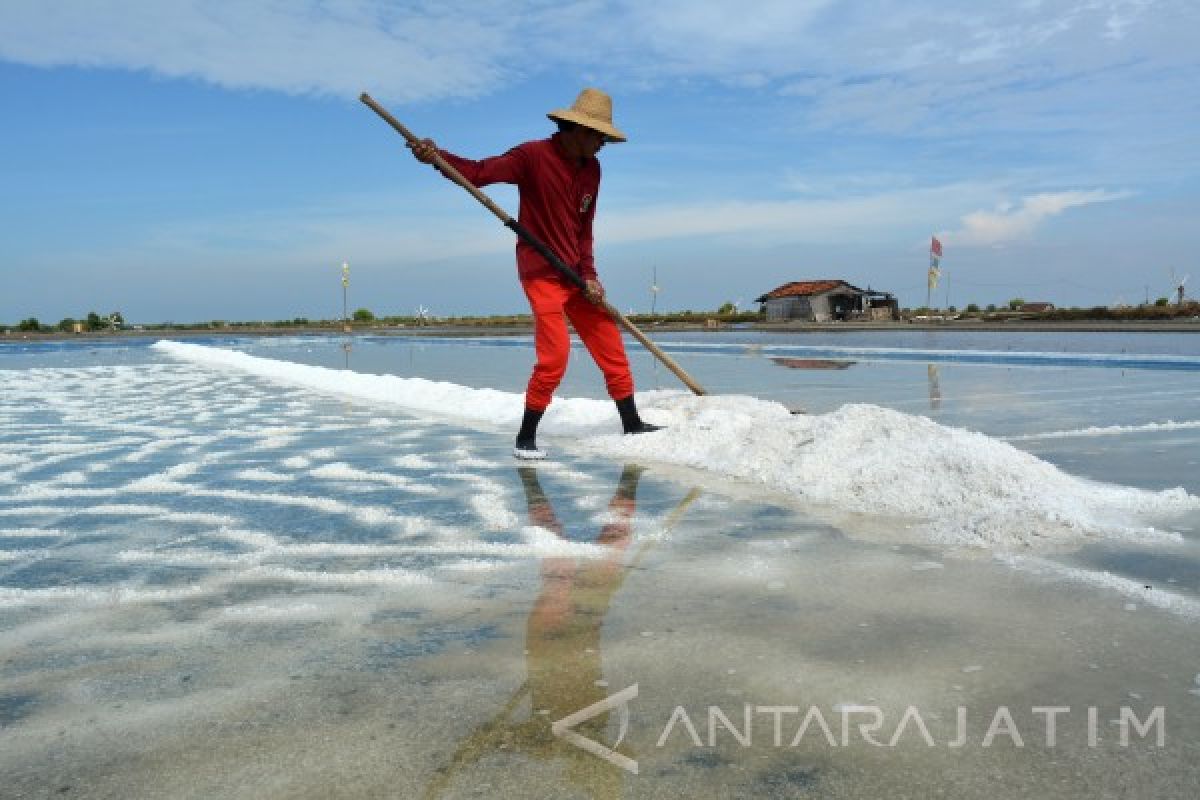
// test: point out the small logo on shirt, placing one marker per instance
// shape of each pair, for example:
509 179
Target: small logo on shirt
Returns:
585 204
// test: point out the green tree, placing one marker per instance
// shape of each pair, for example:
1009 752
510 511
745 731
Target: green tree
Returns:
363 315
30 324
726 308
972 308
1162 301
93 321
991 306
66 325
1016 303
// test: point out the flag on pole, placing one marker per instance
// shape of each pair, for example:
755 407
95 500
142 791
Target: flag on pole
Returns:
935 261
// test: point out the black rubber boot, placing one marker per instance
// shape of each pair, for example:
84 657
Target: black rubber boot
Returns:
630 421
526 447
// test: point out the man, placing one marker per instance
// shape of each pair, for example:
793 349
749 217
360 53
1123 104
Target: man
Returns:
558 180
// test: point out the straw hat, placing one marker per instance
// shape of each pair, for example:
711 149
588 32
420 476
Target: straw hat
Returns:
592 109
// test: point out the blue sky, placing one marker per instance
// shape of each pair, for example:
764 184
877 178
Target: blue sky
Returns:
181 160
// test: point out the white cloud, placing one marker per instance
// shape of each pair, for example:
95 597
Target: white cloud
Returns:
412 53
929 68
407 51
1008 222
1123 15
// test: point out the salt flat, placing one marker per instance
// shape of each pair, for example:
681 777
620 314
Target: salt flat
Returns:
259 571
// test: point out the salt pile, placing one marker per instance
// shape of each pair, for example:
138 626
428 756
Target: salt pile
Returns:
955 486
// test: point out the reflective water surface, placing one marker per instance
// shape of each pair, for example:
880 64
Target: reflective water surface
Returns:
212 585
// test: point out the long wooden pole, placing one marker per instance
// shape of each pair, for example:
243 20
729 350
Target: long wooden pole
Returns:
570 274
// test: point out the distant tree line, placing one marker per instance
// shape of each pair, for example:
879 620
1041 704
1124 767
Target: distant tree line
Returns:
92 322
727 312
1160 309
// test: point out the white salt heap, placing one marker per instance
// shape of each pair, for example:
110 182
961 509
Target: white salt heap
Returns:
958 487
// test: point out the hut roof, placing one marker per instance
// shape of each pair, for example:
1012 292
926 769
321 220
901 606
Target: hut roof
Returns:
805 289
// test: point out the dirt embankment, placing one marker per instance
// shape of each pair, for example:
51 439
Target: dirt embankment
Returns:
1184 325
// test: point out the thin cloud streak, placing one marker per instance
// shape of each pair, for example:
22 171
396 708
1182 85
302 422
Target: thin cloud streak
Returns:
365 228
875 217
1007 222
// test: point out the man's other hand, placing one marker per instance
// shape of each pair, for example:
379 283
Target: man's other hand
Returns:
594 291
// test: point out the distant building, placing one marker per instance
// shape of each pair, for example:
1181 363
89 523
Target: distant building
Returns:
825 301
1036 308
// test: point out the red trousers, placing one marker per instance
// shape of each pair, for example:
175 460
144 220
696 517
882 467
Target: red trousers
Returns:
553 303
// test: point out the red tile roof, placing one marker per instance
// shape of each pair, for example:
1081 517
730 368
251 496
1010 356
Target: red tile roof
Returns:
802 289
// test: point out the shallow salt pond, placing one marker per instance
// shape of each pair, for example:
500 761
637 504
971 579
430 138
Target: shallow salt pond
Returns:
244 579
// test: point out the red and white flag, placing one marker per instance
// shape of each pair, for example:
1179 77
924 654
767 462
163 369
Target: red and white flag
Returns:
935 262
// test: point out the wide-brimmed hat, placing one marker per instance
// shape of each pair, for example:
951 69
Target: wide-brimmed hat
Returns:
592 109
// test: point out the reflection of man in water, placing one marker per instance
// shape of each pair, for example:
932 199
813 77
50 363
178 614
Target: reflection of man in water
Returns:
562 642
563 633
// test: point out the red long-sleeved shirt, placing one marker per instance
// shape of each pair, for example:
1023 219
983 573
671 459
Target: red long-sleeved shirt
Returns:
558 201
